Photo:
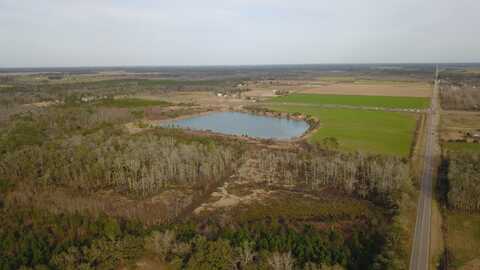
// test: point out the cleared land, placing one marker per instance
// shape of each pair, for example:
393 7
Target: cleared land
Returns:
464 239
369 131
366 101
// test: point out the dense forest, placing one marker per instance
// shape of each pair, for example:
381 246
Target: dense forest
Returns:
35 239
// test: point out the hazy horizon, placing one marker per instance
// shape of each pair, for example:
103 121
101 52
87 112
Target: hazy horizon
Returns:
445 64
106 33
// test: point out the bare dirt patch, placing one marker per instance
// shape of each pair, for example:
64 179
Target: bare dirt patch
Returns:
250 185
45 103
222 199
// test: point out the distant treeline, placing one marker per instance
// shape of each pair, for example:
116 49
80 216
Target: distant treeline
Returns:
25 93
378 178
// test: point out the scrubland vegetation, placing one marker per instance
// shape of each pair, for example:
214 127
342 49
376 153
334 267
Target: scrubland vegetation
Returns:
460 91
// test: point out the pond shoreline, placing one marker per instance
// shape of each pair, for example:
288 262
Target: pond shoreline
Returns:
312 123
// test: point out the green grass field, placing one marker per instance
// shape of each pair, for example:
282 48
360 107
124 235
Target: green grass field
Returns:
131 103
378 132
368 101
463 147
463 237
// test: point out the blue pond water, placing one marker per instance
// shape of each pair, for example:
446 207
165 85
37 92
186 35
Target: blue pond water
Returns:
237 123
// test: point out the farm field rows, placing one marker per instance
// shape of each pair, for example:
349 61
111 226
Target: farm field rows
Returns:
348 85
366 101
369 131
371 88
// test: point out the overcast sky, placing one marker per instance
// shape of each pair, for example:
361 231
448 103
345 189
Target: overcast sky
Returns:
231 32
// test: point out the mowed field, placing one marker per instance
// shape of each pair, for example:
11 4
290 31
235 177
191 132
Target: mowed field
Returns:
463 147
376 132
464 239
358 101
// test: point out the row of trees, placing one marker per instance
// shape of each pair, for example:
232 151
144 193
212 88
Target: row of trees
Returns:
143 164
378 178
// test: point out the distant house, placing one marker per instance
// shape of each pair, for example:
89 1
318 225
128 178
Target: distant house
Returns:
88 99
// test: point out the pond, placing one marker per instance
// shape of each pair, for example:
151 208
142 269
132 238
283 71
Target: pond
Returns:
237 123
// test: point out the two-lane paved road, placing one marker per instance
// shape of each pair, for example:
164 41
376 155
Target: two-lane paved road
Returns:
420 256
